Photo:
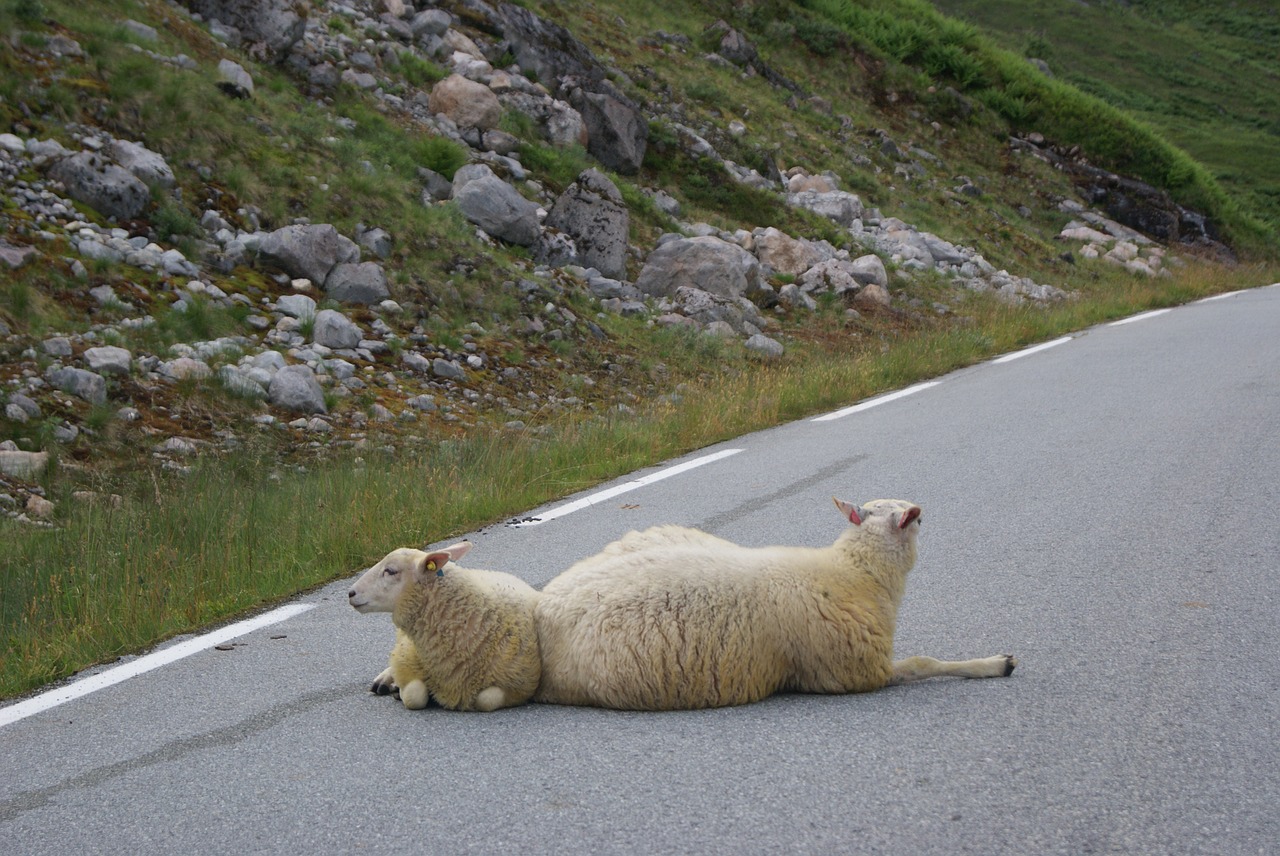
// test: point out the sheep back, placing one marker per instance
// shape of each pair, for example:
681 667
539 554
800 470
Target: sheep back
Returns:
674 618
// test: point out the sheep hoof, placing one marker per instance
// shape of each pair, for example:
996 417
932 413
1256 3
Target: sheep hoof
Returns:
1009 662
490 699
415 695
384 684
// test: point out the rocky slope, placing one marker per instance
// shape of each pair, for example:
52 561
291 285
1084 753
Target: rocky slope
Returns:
325 349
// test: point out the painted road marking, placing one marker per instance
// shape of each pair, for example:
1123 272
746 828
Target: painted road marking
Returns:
626 487
1219 297
1026 352
875 402
146 663
1141 317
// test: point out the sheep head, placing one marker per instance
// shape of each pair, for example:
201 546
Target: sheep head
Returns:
882 514
379 587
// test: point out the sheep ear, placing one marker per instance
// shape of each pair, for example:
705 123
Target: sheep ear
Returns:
435 562
849 510
457 551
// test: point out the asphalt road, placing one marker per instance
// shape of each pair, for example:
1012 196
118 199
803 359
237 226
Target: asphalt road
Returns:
1105 509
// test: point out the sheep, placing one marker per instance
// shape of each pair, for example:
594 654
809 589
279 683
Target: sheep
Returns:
674 618
464 636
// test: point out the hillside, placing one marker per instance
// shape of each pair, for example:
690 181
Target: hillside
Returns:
502 252
1205 74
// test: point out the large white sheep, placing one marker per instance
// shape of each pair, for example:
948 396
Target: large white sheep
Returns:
464 636
674 618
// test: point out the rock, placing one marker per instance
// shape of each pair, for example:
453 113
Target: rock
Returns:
334 330
83 384
242 383
784 254
184 368
23 465
873 296
109 189
617 132
363 283
57 346
109 360
15 257
296 306
147 166
307 251
295 388
592 212
430 22
467 103
869 270
764 346
705 263
447 369
271 26
498 209
39 507
836 205
234 80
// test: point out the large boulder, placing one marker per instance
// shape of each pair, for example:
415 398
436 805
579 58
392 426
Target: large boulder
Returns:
592 212
837 205
784 254
705 263
271 27
106 187
498 209
617 132
467 103
308 251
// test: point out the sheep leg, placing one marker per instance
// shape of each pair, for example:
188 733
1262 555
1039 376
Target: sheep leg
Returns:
384 684
919 668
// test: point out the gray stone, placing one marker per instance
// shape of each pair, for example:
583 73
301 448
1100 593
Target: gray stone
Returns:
242 383
498 209
295 388
362 283
617 132
57 346
106 187
23 465
234 80
704 263
149 167
80 383
109 360
447 369
869 270
837 205
271 26
764 346
592 212
308 252
296 306
334 330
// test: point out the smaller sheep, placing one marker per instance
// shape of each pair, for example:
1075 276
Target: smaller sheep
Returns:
674 618
464 636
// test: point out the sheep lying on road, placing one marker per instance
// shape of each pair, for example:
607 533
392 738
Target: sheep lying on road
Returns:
674 618
463 636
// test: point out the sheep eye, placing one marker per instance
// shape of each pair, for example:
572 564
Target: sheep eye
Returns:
391 572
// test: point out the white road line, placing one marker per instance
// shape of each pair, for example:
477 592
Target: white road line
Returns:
1142 317
1219 297
146 663
875 402
1026 352
609 493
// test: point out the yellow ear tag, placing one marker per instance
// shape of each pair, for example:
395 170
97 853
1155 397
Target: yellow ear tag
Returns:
431 566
